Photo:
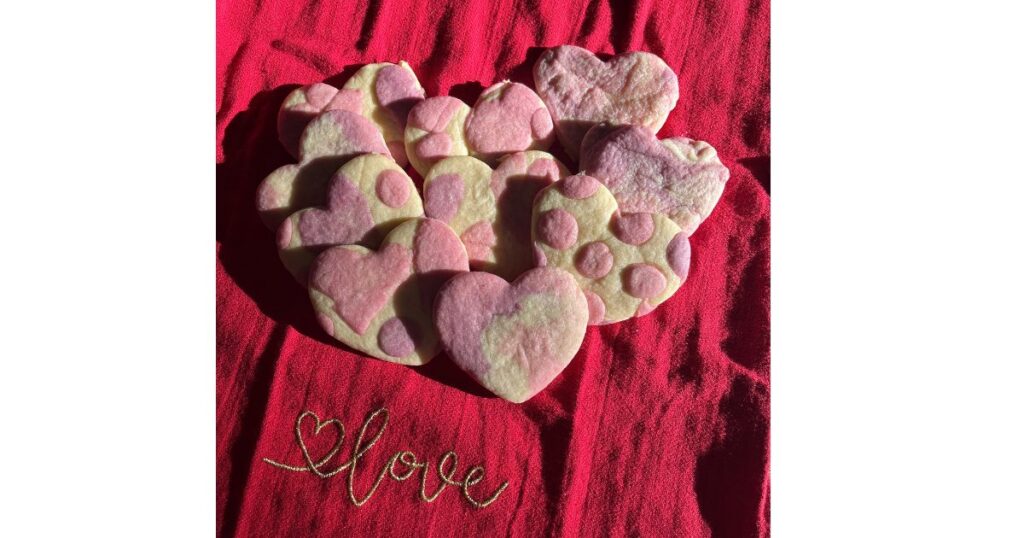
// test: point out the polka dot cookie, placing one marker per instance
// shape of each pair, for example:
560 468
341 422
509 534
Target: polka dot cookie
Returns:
436 129
626 263
366 198
506 258
382 93
514 339
388 93
490 209
331 139
679 177
581 91
381 302
508 117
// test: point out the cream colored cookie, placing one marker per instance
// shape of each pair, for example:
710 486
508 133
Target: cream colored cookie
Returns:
366 198
328 141
381 302
581 90
507 118
387 92
292 187
490 209
679 177
436 129
513 338
626 264
305 103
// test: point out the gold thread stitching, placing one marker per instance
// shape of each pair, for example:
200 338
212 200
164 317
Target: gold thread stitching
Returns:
466 483
413 465
446 477
302 444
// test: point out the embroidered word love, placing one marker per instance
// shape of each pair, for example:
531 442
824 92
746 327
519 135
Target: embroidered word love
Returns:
409 465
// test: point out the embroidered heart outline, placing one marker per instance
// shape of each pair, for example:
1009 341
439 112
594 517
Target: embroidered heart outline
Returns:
320 425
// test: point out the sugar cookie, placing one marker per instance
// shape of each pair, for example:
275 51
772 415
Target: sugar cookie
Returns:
508 117
626 264
514 339
580 91
291 187
491 209
340 133
679 177
305 103
436 129
366 198
382 302
388 93
330 140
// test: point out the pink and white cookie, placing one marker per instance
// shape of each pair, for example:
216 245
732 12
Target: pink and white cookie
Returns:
626 263
331 139
382 93
382 302
292 187
581 90
388 92
491 209
679 177
436 129
305 103
366 198
508 117
514 339
339 133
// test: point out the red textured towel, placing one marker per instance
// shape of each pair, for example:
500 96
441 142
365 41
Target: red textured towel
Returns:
659 426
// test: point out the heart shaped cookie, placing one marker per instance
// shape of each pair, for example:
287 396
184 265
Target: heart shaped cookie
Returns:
340 133
626 263
330 140
436 129
381 302
382 93
679 177
318 425
389 92
581 91
508 117
514 339
367 197
305 103
491 209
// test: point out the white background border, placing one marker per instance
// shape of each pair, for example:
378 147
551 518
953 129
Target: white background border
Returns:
897 268
107 387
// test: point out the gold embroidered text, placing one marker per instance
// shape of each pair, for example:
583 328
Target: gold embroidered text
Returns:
400 467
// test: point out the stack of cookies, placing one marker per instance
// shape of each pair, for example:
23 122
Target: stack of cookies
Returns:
502 256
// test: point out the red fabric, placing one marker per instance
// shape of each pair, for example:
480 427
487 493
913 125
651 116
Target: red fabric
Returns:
660 424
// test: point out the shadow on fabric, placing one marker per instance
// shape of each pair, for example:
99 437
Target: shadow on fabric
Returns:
735 466
246 248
